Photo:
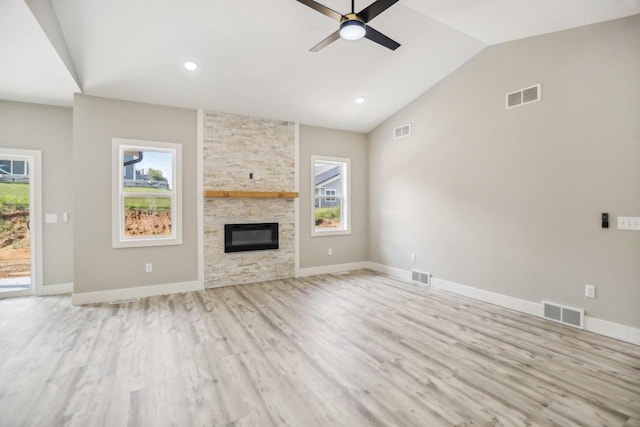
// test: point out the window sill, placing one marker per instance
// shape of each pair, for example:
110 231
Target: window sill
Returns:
330 233
140 243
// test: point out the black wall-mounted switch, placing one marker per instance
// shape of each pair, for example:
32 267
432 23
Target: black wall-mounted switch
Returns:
605 220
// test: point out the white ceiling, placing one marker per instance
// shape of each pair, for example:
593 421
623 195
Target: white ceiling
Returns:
254 56
499 21
30 69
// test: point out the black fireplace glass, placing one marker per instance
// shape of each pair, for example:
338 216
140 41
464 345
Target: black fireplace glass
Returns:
250 237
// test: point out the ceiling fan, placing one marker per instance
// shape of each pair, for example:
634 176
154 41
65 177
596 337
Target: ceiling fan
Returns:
353 26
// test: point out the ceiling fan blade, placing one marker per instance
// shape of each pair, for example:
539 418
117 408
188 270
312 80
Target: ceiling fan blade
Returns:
381 39
322 9
326 42
375 9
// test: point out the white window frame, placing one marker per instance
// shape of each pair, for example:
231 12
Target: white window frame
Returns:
345 195
118 239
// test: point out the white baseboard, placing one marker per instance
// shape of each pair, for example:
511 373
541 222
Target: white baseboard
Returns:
140 292
57 289
517 304
603 327
391 271
612 329
328 269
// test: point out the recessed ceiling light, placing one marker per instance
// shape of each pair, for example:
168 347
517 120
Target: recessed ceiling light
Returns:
191 66
360 100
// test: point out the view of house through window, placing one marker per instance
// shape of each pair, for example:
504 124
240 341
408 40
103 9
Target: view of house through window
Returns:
147 193
330 179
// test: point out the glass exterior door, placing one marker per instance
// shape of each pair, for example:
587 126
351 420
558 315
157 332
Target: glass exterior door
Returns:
15 222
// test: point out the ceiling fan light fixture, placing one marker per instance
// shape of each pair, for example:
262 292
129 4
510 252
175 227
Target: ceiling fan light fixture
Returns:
352 29
191 65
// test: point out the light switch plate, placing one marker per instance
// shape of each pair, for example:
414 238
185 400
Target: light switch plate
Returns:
590 291
51 218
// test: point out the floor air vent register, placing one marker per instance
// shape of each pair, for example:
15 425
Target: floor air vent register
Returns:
563 314
421 277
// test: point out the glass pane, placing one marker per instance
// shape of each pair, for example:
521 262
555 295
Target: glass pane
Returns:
328 187
5 167
147 216
147 171
328 217
18 167
15 239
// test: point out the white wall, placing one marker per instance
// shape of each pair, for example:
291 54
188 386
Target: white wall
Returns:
49 129
510 200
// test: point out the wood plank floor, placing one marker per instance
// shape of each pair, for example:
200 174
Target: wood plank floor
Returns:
358 349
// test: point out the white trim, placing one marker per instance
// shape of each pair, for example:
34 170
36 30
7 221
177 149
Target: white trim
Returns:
391 271
612 329
35 213
603 327
328 269
296 203
58 289
200 194
495 298
138 292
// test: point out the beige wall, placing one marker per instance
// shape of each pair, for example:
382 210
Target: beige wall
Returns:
346 248
48 129
510 200
98 267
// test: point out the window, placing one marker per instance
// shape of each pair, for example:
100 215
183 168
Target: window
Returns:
14 167
147 193
331 187
330 192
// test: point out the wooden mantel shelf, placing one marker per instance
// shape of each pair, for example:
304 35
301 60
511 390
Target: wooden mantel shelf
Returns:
252 194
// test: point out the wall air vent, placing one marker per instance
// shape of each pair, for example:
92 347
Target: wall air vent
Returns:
524 96
421 277
402 131
563 314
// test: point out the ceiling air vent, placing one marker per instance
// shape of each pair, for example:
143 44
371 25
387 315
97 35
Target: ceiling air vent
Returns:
563 314
524 96
402 131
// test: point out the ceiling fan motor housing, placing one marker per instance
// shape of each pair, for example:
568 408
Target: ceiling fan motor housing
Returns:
352 27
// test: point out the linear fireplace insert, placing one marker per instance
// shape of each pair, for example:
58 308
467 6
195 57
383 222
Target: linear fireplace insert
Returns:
250 237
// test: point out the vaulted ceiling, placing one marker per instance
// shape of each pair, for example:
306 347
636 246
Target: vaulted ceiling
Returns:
254 55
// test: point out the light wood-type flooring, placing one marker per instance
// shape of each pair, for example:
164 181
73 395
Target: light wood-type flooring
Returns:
356 349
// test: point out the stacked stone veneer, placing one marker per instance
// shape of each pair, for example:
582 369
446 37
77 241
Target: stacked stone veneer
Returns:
234 147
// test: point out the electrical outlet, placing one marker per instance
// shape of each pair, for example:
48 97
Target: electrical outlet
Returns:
590 291
330 251
413 257
148 267
629 223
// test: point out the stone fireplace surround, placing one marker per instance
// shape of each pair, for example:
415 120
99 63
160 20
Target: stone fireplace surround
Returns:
235 147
